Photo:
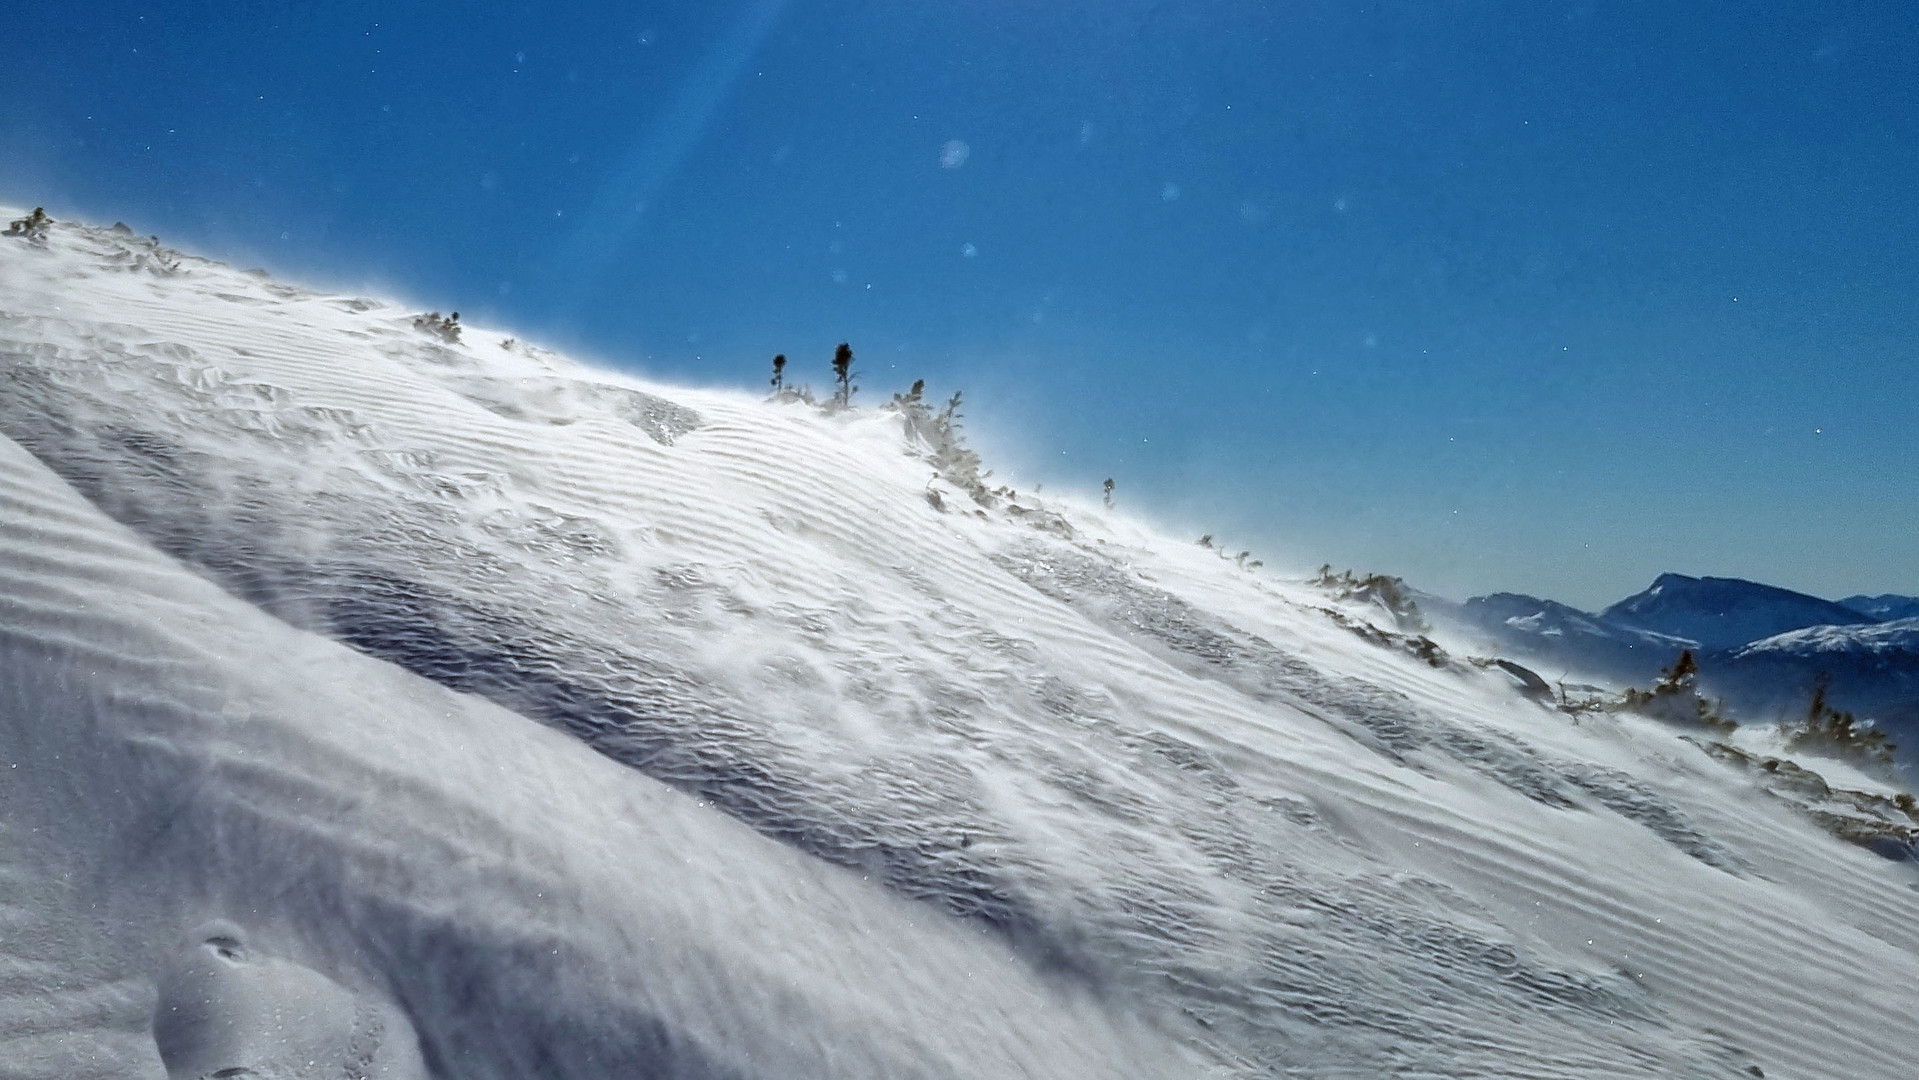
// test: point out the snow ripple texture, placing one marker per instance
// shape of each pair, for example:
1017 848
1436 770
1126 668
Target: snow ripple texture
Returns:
1185 814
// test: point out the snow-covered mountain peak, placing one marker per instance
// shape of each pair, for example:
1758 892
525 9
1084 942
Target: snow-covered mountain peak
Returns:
1899 637
1720 613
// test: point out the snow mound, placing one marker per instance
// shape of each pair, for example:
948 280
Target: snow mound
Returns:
224 1010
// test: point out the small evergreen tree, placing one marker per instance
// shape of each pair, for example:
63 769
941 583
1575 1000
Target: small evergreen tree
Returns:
938 434
843 375
957 462
1682 675
1675 698
1830 728
779 374
1109 493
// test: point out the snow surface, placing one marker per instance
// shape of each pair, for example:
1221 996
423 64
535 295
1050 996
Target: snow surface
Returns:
566 725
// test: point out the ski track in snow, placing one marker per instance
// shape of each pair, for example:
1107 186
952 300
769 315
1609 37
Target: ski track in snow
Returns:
310 621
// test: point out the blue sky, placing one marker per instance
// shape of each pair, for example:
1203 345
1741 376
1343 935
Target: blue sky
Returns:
1540 297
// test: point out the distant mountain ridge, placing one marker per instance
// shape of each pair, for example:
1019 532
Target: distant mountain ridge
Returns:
1760 647
1896 636
1535 625
1884 606
1724 613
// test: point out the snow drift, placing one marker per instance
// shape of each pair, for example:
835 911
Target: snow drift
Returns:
507 717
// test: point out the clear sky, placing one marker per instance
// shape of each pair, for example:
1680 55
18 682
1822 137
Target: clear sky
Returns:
1545 297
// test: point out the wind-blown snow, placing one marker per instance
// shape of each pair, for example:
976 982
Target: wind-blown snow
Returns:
592 727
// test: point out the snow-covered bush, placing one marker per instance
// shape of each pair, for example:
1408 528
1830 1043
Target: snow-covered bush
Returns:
938 436
786 392
445 328
1380 590
1675 698
1830 730
155 259
32 228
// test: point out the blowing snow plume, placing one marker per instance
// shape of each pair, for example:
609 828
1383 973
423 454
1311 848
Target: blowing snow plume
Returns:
513 718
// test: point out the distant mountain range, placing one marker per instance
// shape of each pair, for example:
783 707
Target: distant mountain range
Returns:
1760 648
1884 606
1725 613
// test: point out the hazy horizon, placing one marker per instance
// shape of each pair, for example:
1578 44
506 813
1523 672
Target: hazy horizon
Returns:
1496 298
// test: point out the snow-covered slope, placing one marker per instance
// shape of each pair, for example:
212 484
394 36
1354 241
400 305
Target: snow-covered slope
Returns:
564 725
1724 613
1883 639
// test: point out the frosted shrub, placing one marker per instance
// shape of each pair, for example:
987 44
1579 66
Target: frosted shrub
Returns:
785 391
1380 590
1675 698
32 228
155 259
938 434
446 328
1832 731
